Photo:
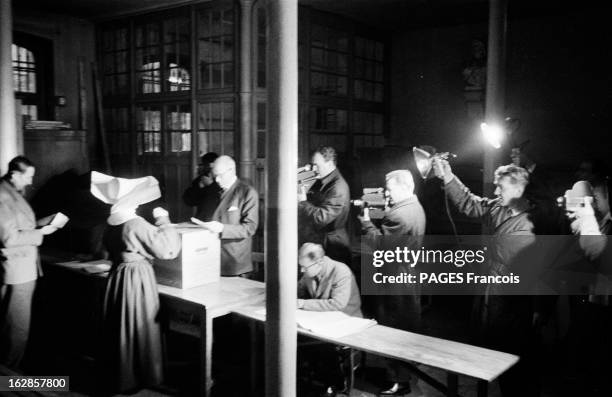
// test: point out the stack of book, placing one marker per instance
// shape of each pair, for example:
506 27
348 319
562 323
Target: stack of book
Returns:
46 125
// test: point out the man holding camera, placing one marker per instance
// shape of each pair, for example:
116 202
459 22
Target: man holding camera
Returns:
204 193
326 206
505 321
404 217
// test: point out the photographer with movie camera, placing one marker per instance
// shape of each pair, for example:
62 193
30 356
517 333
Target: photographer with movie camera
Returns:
404 217
591 315
324 209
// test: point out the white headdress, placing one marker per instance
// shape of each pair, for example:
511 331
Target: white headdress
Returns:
125 195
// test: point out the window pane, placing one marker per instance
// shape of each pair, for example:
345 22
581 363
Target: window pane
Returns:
148 127
216 48
215 128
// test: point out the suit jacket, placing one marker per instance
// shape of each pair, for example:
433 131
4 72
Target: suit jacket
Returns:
19 238
326 213
205 199
238 210
334 288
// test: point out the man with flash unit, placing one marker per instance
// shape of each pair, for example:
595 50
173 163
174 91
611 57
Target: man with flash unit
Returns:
506 321
404 217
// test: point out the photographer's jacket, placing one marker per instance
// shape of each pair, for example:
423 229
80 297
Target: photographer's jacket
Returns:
512 233
406 218
19 238
334 288
327 211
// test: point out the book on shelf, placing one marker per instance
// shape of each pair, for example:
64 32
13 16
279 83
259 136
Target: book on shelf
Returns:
46 125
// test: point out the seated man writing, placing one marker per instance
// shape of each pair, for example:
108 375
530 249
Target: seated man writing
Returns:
326 285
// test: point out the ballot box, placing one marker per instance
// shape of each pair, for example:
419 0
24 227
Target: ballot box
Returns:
198 263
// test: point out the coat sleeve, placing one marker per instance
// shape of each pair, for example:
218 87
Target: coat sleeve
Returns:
162 242
249 218
466 202
369 229
339 296
193 194
11 235
302 290
324 214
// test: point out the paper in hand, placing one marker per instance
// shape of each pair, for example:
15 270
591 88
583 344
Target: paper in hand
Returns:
59 220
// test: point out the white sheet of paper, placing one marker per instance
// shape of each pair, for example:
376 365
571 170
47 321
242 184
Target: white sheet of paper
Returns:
59 220
333 324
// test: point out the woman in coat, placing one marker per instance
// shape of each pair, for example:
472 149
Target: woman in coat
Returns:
132 331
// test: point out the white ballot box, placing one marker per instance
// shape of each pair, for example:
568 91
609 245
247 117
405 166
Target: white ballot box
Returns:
198 263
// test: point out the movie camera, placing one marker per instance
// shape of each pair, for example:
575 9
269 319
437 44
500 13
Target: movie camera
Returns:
374 200
577 197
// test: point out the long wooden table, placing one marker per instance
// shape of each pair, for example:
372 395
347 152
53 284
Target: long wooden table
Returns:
194 310
453 357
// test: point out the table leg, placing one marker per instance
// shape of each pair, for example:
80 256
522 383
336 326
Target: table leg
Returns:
254 356
483 386
206 330
452 384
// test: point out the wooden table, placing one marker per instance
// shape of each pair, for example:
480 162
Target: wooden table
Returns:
453 357
200 305
186 310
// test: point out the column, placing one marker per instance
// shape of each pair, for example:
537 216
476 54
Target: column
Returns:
247 149
496 84
8 127
281 209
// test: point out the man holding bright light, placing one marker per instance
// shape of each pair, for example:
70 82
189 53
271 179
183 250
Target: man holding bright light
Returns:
505 321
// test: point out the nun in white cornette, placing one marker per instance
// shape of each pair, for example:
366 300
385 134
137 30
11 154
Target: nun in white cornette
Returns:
132 350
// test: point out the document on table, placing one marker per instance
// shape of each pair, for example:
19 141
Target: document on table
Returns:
329 324
332 324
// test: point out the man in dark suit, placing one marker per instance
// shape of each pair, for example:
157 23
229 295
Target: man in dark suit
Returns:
324 210
235 218
404 217
204 193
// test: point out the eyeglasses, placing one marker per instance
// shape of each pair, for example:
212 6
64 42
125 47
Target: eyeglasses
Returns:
304 268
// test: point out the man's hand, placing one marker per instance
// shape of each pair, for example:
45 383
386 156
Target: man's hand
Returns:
442 169
302 193
366 215
213 226
520 159
300 303
584 221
